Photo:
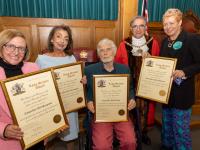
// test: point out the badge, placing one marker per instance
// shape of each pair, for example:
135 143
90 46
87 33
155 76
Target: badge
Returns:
79 100
162 93
121 112
57 118
139 51
177 45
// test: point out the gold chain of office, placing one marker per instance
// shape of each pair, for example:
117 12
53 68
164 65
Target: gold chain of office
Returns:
132 45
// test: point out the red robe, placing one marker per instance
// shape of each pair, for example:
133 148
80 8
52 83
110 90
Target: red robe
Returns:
122 57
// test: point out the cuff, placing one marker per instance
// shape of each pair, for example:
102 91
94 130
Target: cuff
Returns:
2 129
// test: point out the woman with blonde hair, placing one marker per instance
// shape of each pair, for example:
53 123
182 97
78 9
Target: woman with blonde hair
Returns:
176 115
13 61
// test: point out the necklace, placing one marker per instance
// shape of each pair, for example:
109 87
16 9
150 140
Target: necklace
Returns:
132 45
138 49
170 43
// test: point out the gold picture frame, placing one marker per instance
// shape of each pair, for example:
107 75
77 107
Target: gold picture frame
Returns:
72 92
35 103
111 93
155 78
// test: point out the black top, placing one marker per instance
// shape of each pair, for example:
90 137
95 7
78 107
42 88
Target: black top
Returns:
186 48
11 70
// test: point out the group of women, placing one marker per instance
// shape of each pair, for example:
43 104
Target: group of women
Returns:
179 44
14 55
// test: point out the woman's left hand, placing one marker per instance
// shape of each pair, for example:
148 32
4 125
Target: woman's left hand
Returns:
178 74
84 80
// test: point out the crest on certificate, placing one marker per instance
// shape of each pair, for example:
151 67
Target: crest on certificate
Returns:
101 83
18 89
57 75
149 63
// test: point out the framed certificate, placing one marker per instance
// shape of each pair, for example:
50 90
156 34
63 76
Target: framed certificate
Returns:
111 97
35 105
72 92
156 78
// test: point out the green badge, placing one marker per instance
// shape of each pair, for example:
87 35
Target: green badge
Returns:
177 45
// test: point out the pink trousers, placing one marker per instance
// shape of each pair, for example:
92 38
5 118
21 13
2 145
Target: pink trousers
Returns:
102 135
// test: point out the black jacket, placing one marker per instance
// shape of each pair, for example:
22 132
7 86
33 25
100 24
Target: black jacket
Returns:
188 60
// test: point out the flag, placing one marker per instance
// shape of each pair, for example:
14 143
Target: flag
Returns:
144 13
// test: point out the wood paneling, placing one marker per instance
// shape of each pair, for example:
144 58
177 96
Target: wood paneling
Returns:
128 10
86 33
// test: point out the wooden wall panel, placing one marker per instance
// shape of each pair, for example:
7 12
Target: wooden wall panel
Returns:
83 36
43 33
86 33
104 32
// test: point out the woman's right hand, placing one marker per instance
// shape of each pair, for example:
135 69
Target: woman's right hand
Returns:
13 132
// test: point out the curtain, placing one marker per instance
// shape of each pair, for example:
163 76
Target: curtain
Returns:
68 9
156 8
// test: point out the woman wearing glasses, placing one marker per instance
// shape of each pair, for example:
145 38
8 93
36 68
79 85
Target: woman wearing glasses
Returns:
13 56
176 115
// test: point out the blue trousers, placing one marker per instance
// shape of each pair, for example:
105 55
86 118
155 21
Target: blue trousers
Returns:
176 129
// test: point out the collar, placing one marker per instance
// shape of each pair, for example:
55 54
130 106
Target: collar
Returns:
104 70
139 41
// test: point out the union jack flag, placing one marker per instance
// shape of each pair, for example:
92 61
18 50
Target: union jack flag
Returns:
144 11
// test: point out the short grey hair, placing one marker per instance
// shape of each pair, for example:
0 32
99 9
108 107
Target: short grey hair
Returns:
138 17
106 41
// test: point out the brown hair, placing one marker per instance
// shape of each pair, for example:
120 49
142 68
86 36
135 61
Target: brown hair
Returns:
9 34
68 49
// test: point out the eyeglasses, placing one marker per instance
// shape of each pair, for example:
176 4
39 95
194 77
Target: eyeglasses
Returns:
138 26
11 48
